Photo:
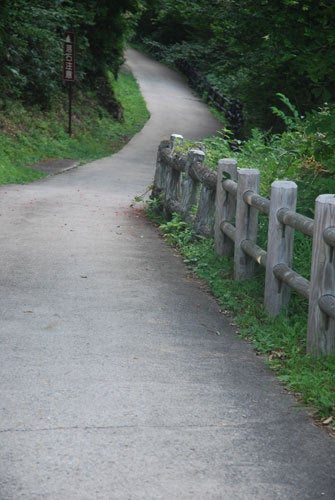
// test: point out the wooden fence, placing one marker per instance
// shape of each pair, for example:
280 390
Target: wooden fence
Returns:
226 203
232 108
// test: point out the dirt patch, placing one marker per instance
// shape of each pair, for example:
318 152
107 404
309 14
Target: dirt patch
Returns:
53 166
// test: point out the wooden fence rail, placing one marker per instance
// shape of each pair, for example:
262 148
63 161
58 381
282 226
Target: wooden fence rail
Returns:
232 108
225 204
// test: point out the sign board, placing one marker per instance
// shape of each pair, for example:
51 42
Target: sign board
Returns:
69 57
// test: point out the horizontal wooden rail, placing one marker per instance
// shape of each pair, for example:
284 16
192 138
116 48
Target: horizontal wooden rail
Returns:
201 173
228 229
296 221
230 186
299 284
329 236
177 162
257 253
226 203
255 200
327 305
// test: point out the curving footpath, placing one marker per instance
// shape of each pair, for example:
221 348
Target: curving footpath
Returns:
114 381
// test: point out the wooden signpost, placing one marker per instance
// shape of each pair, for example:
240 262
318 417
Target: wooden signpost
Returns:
69 68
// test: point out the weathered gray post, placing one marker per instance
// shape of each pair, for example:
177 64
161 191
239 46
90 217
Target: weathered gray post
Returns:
225 209
206 207
176 140
173 179
191 184
280 245
246 222
161 167
321 318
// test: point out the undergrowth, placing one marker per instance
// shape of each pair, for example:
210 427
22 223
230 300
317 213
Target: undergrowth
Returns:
29 135
282 339
305 154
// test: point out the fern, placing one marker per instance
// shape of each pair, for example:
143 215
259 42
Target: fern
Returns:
290 121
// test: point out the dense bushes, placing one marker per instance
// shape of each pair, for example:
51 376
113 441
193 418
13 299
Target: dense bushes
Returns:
31 43
252 49
304 153
29 135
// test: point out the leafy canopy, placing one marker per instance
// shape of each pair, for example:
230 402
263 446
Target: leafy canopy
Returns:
252 49
31 43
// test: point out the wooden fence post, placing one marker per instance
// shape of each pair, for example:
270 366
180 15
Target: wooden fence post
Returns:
160 171
246 222
173 179
225 209
205 213
280 246
191 186
176 140
321 317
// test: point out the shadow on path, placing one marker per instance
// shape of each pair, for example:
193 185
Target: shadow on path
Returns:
113 382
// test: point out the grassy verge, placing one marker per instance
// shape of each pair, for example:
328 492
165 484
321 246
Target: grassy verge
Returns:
282 340
305 154
28 135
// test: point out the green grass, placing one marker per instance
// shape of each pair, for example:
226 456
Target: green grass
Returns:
305 154
282 340
28 135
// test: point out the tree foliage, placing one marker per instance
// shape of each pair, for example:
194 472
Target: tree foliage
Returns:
31 43
252 49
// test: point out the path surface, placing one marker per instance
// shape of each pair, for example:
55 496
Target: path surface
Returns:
114 384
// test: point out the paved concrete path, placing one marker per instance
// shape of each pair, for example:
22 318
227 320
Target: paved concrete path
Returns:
114 383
